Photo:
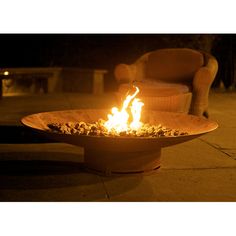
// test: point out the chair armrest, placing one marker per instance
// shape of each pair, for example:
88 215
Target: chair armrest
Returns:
125 73
202 82
212 65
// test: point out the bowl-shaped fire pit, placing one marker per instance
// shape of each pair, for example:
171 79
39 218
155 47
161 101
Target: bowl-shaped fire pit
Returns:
121 155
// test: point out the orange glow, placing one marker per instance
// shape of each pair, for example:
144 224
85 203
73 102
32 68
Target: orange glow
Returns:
119 122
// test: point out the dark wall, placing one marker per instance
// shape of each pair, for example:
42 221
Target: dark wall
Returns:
102 51
86 50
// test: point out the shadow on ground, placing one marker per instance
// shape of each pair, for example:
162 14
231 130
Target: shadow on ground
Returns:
43 174
44 180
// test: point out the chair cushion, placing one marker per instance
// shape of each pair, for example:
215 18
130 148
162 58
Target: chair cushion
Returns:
173 64
157 88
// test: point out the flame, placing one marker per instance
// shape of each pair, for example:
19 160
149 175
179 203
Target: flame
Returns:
119 122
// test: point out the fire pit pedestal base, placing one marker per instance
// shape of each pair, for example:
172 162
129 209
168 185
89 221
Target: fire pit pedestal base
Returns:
118 163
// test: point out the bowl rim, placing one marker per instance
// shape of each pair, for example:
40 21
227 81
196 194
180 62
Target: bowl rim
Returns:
215 125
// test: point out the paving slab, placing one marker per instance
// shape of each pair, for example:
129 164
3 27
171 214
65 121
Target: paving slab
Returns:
46 172
217 184
222 109
52 187
222 138
194 154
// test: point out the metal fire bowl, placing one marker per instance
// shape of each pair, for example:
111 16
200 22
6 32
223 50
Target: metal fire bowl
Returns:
121 155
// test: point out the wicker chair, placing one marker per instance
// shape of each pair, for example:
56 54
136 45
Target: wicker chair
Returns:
177 79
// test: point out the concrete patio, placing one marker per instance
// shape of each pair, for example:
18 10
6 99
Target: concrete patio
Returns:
200 170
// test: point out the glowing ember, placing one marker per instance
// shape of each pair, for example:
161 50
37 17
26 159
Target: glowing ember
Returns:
118 121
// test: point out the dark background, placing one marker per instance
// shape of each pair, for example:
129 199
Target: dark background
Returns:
104 51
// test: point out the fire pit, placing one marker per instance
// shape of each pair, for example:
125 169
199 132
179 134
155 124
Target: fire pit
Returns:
120 145
121 155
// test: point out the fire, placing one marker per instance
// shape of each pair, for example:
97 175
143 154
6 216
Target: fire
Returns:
124 122
119 120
